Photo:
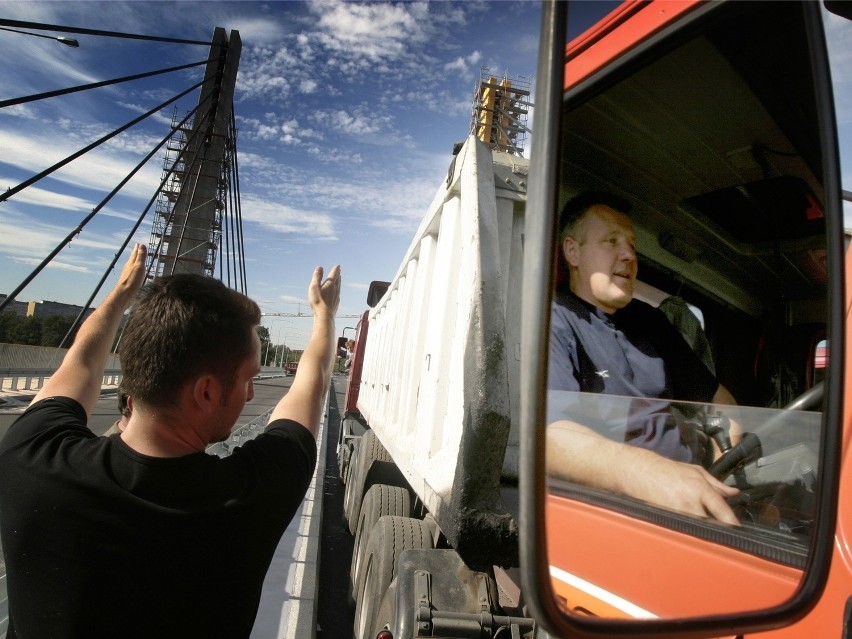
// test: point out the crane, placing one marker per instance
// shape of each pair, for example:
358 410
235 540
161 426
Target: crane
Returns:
301 314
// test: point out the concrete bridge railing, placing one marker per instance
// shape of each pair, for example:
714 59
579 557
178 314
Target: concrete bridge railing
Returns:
24 380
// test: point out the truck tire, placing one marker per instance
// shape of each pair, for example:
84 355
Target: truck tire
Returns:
370 449
379 501
387 540
350 478
351 429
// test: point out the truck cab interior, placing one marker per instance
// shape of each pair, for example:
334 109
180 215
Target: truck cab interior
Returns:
718 139
719 155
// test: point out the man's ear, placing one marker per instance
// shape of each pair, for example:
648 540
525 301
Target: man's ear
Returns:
207 393
570 248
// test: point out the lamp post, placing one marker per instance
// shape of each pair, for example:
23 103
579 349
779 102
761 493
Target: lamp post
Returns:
283 351
278 339
68 42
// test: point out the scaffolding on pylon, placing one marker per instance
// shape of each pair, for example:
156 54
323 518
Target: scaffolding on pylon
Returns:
174 174
500 111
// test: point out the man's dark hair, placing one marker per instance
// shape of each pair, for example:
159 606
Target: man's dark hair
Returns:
576 208
182 326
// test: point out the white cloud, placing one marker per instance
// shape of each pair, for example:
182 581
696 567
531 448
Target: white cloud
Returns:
27 240
334 155
357 124
44 198
159 116
58 265
308 86
263 30
351 43
456 65
20 111
287 131
462 65
268 72
265 132
98 170
373 32
274 216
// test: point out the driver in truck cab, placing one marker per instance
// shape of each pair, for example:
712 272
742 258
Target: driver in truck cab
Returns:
604 341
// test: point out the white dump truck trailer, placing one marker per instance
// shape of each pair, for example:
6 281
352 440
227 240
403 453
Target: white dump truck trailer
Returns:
429 445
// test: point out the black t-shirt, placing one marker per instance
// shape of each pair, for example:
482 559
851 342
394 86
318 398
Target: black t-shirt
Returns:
101 541
635 352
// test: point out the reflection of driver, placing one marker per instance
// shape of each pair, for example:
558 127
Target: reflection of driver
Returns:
604 341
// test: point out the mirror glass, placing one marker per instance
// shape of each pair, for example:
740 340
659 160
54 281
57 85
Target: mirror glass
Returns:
686 353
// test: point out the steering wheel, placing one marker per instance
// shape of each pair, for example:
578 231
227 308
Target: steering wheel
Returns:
749 445
811 399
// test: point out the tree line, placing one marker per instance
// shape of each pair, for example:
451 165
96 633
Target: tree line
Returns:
49 331
35 331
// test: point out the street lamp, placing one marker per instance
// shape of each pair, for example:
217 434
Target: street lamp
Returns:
68 42
281 356
283 352
266 354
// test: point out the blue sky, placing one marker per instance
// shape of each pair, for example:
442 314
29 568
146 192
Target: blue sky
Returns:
347 114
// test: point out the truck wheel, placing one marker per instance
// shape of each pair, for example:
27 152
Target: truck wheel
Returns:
369 450
350 431
388 538
350 478
379 501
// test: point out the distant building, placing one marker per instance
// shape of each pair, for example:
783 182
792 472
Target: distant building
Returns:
51 309
43 308
18 308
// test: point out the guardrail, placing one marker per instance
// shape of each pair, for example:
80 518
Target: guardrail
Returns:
32 379
240 435
29 379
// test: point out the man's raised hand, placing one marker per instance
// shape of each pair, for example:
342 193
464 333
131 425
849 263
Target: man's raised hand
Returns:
324 296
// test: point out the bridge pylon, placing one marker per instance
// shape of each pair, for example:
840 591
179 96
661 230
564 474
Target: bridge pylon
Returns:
189 214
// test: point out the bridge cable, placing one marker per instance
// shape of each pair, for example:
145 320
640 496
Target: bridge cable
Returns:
232 236
94 85
228 227
239 210
97 32
29 182
94 211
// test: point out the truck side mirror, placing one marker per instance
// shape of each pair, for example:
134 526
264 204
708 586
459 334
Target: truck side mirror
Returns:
376 292
716 122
